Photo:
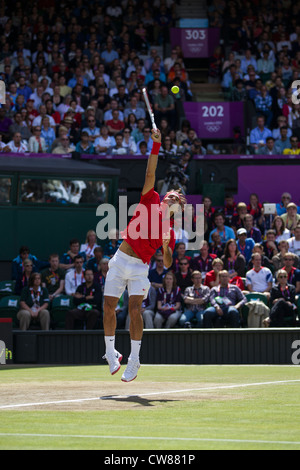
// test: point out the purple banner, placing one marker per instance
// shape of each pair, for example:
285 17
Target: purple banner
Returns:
269 182
213 120
195 42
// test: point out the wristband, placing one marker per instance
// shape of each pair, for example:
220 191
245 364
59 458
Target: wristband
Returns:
155 148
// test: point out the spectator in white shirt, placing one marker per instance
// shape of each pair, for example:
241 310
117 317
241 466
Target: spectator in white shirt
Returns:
74 277
259 279
16 145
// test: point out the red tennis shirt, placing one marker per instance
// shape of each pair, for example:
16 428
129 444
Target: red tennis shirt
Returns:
144 231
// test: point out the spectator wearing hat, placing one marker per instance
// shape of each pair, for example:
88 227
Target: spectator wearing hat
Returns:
245 245
68 122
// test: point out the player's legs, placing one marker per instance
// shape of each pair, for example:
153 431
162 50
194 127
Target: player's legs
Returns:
109 315
136 319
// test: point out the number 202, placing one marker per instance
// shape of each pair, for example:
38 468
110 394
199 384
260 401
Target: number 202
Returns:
212 111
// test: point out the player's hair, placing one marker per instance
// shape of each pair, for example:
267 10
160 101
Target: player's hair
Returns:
182 198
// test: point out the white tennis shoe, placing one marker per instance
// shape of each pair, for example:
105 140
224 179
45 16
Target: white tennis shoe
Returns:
131 370
114 361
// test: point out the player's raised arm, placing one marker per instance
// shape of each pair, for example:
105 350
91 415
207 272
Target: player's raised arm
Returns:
152 161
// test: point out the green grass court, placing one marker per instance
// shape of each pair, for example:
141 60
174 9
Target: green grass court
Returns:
165 408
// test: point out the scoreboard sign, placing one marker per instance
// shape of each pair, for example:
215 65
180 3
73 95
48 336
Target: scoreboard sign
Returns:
6 341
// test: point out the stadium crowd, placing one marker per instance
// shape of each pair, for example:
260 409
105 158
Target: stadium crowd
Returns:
73 74
258 62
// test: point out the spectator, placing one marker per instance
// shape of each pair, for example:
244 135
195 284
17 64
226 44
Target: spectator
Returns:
238 92
24 276
284 201
283 142
269 148
292 272
20 126
157 274
263 105
17 145
92 130
281 121
37 144
164 107
203 262
196 298
84 146
100 275
63 146
265 66
148 308
168 303
281 233
93 262
88 302
294 242
270 245
118 149
283 302
225 299
115 125
90 244
247 60
74 277
233 261
129 142
47 133
67 260
146 138
278 260
237 220
291 218
245 245
252 232
259 134
294 148
258 248
53 278
105 142
223 230
212 277
34 303
133 108
259 279
183 275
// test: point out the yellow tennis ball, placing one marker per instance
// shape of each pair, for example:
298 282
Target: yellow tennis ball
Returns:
175 89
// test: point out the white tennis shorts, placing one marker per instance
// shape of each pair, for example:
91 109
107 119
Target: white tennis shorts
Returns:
125 270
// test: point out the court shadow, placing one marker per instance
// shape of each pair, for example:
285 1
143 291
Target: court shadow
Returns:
136 399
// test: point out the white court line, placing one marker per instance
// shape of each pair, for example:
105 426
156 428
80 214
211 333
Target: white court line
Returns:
153 438
149 394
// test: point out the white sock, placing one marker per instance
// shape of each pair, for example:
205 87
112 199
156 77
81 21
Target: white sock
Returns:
135 349
110 344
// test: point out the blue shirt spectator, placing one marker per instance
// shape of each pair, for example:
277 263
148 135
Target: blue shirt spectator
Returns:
245 245
259 134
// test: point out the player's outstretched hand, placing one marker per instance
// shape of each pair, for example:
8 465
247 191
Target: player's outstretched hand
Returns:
156 135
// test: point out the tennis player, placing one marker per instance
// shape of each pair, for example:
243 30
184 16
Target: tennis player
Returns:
130 264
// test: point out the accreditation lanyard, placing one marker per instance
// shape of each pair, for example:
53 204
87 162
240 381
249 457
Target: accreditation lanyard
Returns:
75 278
